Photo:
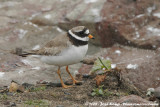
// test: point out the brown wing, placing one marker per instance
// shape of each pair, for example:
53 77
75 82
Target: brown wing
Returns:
55 46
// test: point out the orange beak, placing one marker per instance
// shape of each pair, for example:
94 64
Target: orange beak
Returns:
91 37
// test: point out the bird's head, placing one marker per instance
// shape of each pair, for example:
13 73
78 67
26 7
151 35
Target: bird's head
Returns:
81 33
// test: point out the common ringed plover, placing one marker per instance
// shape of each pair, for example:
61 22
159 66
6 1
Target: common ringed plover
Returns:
65 50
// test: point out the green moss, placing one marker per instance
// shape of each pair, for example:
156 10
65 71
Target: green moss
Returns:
35 89
99 64
3 96
37 103
101 92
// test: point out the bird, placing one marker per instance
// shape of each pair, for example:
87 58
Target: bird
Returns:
65 50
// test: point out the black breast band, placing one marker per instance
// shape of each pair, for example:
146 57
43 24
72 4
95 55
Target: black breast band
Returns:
75 41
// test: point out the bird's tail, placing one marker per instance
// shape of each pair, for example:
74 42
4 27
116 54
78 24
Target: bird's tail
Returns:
20 52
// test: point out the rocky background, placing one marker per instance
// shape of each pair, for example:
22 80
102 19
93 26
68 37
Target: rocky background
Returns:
127 32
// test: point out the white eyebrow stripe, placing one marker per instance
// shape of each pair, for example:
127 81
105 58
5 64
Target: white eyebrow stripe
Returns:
87 31
77 37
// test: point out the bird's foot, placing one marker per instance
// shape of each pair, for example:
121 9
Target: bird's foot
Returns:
75 82
66 86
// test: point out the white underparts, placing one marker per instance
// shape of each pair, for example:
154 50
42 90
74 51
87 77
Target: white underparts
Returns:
77 37
68 56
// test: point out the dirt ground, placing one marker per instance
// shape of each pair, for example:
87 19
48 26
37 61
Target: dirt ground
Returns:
52 96
77 96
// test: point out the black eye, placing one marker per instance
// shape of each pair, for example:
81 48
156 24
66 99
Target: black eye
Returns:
81 33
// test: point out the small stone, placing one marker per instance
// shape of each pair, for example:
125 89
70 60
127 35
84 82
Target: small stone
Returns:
9 94
150 91
86 75
66 93
26 85
21 88
89 60
13 104
13 87
54 84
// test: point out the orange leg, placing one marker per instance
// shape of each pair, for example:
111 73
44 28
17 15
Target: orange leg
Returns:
74 81
62 83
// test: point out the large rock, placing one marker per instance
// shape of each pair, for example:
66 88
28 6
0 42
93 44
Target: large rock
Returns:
63 13
135 101
123 21
128 22
68 14
139 66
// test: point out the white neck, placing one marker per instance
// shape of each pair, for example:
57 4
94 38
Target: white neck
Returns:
77 37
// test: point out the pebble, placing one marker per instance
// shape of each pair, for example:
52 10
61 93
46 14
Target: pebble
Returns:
86 75
13 104
67 93
10 93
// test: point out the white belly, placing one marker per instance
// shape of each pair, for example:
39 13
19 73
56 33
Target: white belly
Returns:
69 56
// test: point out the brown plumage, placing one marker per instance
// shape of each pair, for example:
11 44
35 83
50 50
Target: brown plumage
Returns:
53 47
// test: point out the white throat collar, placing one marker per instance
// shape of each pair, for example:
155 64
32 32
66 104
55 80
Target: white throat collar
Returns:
77 37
